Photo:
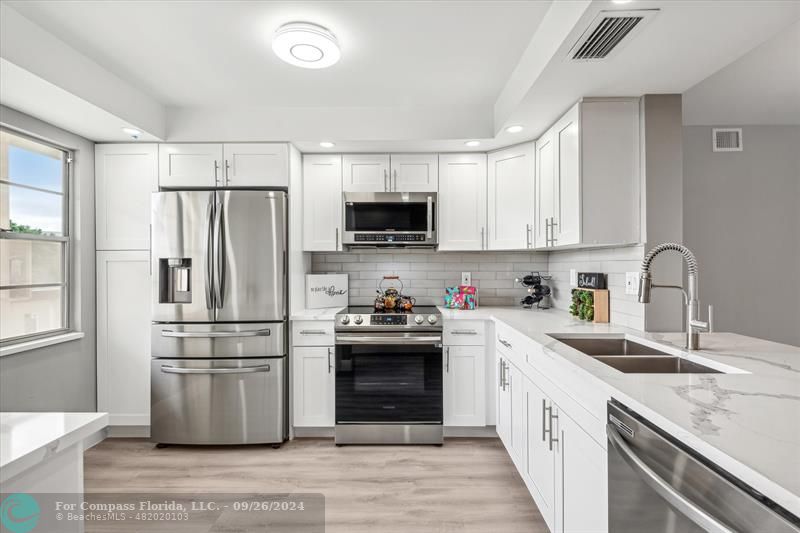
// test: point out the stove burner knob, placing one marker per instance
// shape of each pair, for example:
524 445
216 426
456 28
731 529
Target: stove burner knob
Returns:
345 319
419 319
432 319
358 319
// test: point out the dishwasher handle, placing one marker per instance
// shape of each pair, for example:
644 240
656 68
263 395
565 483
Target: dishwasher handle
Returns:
677 500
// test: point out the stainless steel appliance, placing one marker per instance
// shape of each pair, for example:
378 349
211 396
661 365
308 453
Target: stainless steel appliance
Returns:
219 370
389 219
389 372
658 485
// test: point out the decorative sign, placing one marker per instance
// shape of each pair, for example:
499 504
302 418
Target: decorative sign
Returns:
326 290
591 280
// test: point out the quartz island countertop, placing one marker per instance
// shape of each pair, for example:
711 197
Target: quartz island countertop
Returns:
748 423
28 439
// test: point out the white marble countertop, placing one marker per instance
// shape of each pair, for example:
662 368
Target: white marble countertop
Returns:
27 439
748 423
325 313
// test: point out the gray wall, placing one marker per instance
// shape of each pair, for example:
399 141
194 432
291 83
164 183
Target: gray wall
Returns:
61 377
662 164
742 219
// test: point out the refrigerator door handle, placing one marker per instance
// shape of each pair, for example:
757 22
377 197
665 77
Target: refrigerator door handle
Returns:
219 250
208 253
215 334
237 370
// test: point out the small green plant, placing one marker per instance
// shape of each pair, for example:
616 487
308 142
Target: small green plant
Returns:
582 305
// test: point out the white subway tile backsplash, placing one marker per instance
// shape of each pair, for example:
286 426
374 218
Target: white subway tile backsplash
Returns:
426 273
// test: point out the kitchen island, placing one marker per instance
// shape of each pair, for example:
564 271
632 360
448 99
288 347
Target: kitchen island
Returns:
43 452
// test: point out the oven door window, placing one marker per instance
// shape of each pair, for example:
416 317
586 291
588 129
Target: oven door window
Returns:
388 216
388 384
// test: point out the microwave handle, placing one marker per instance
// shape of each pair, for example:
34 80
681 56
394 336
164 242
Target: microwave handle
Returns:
430 217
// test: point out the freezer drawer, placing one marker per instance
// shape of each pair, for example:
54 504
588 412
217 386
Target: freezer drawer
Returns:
264 339
218 401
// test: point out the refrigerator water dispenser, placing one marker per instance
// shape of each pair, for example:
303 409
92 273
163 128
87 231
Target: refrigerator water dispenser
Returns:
175 280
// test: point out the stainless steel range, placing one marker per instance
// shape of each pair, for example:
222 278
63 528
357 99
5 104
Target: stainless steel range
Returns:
389 376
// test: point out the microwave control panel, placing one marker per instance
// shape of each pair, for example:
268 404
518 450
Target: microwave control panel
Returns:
388 237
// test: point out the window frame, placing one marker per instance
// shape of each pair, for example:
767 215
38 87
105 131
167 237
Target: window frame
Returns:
65 238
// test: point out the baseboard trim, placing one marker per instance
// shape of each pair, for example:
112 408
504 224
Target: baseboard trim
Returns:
487 432
128 432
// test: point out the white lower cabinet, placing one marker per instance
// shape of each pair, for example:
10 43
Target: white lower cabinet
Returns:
464 386
123 336
541 469
314 386
582 477
563 466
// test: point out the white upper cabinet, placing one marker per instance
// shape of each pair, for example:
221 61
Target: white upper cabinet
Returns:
414 173
462 202
587 176
511 198
545 189
125 176
565 226
322 202
464 386
190 165
256 164
365 173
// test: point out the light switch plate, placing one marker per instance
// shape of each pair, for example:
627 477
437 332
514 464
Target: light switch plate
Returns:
631 283
573 277
466 278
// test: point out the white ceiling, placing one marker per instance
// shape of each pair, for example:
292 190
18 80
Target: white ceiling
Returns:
421 75
762 87
201 53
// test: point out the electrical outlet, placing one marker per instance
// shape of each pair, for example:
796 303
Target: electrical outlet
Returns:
466 278
573 277
631 283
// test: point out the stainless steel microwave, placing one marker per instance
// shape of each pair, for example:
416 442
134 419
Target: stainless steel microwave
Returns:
389 219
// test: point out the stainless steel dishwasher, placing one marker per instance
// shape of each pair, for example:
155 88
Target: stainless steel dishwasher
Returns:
657 485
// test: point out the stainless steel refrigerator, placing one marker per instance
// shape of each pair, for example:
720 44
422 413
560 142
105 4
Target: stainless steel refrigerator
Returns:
219 369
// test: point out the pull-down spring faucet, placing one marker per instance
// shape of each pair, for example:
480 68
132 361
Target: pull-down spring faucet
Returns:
693 325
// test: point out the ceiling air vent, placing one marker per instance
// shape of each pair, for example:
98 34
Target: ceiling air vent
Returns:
607 31
727 139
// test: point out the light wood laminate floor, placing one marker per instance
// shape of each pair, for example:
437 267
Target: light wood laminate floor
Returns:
467 485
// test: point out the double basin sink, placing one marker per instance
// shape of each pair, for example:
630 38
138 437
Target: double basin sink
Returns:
631 357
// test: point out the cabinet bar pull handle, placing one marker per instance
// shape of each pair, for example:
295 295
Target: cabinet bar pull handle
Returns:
330 367
553 416
483 239
447 359
385 180
312 332
464 332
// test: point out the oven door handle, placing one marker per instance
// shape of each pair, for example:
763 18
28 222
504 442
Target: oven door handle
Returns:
677 500
364 339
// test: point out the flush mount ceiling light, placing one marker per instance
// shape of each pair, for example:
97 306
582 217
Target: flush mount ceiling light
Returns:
133 132
472 144
621 1
327 144
306 45
514 129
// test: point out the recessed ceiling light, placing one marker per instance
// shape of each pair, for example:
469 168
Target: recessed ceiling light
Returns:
514 129
133 132
621 1
306 45
472 143
327 144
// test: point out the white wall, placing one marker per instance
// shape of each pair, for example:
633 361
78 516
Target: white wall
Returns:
60 377
742 220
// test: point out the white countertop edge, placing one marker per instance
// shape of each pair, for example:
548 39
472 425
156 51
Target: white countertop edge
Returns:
324 313
40 343
96 423
758 481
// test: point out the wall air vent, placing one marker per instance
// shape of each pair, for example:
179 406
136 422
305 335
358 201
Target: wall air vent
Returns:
608 29
727 139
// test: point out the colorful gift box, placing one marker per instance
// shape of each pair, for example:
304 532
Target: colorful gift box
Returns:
461 297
